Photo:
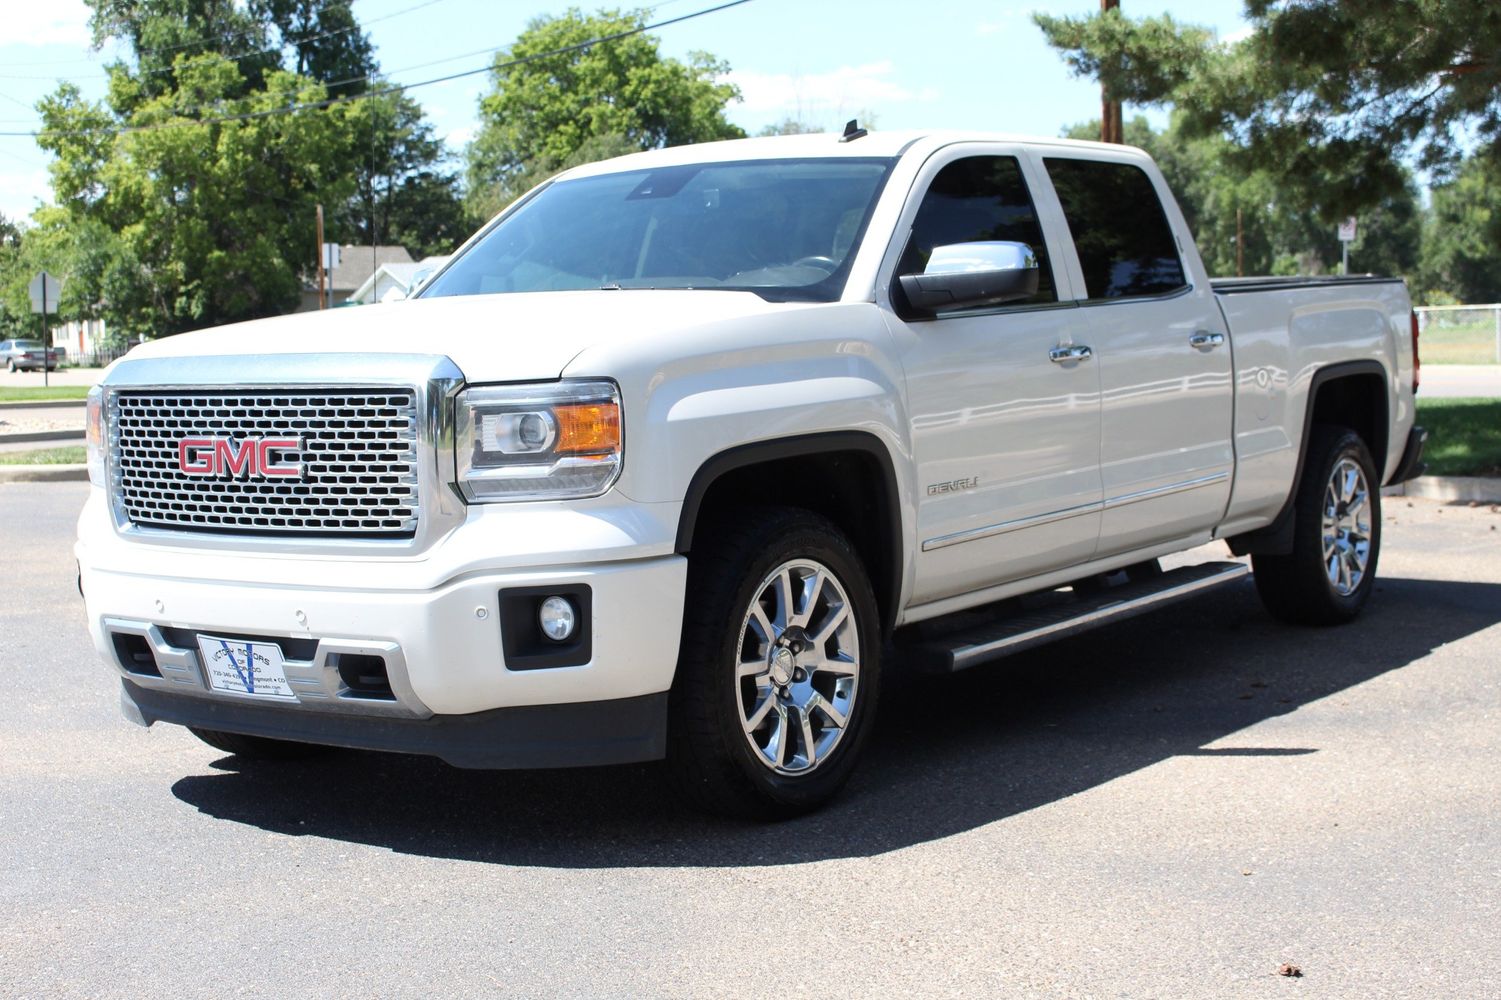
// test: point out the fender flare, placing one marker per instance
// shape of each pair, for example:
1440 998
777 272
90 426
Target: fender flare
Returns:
887 504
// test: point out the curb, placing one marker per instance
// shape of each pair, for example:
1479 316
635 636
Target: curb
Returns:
44 473
35 437
1472 489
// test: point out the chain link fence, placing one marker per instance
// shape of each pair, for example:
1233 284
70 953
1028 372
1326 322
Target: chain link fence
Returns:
1460 335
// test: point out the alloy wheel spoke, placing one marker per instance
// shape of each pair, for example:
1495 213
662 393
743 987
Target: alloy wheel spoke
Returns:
837 666
810 749
784 610
837 615
762 711
820 703
812 588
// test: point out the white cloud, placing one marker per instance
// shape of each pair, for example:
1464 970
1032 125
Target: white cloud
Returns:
458 138
1239 35
858 87
62 22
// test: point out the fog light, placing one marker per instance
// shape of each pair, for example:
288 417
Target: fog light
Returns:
557 618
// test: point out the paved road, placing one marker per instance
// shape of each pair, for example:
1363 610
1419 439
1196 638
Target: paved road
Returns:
1172 807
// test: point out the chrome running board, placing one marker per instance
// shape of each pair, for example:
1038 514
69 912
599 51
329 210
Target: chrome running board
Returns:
950 651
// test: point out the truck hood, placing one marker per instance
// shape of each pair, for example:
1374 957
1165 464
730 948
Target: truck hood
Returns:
492 338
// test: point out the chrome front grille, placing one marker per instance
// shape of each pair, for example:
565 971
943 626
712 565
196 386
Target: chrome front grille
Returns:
358 460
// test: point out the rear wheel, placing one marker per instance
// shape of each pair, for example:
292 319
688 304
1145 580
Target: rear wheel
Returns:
1328 576
780 666
256 747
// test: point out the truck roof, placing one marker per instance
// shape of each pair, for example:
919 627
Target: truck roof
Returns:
826 144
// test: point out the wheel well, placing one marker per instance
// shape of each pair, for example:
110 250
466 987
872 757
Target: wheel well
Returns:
1359 403
852 484
1353 395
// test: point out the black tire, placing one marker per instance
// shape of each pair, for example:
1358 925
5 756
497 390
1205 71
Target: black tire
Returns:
257 747
709 753
1296 587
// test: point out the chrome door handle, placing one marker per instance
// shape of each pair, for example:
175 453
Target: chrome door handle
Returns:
1203 338
1063 355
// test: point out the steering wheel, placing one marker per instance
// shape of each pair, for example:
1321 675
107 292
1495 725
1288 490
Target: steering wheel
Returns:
828 264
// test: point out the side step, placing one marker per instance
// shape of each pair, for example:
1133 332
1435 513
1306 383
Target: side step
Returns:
950 651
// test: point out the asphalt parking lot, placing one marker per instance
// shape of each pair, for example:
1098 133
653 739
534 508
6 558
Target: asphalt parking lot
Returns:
1171 807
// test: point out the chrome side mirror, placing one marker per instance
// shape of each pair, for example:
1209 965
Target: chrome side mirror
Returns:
973 274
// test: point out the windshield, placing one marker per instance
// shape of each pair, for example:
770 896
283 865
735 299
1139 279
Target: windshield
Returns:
785 229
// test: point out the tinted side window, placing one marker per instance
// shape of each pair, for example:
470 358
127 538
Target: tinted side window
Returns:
1125 244
975 199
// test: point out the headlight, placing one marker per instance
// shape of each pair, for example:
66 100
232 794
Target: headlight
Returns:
554 441
94 434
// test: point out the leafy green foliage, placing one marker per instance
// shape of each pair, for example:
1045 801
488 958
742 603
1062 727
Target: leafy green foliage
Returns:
1462 242
1279 234
1326 96
203 223
186 198
546 110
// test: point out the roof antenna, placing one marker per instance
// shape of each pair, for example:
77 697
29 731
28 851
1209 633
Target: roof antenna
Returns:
853 131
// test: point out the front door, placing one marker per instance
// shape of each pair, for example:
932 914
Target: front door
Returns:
1005 431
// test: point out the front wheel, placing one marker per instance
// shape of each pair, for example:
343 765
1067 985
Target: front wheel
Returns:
1328 576
780 666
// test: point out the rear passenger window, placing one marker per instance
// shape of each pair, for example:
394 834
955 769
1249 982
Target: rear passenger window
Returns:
1125 244
977 199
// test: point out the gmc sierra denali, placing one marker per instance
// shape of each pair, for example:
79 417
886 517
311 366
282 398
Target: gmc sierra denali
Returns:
672 449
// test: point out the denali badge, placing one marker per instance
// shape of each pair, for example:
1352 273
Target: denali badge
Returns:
221 456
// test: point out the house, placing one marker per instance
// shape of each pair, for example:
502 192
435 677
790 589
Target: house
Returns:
356 265
391 282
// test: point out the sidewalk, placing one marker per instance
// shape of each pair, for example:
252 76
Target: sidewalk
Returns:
1450 381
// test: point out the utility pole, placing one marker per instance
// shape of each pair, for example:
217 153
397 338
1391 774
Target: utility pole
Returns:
320 257
1240 246
1111 128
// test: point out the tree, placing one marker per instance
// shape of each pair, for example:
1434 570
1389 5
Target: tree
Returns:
1273 233
325 40
403 194
210 218
1329 97
554 93
1460 258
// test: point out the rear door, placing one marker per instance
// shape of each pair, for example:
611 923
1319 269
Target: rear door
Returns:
1161 349
1005 438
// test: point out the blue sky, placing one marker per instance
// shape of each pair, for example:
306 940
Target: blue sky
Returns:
942 64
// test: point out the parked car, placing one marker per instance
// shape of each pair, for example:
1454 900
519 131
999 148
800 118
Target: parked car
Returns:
28 355
691 435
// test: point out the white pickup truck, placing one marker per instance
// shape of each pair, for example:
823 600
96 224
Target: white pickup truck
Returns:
668 455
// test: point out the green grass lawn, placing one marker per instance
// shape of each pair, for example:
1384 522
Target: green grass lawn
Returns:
71 455
41 393
1464 436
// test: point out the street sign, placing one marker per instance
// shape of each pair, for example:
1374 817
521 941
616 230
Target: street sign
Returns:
1348 230
45 291
330 256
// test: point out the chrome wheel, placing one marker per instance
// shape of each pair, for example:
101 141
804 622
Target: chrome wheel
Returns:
798 670
1346 526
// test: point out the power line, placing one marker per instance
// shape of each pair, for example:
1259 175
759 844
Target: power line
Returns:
285 42
385 91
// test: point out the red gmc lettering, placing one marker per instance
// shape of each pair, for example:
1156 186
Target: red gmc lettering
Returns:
218 456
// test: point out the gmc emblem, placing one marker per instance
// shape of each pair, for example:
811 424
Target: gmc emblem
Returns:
221 456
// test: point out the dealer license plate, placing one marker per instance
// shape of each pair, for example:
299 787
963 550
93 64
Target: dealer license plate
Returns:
241 667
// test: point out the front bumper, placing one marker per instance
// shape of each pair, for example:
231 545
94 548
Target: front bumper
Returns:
434 621
622 731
